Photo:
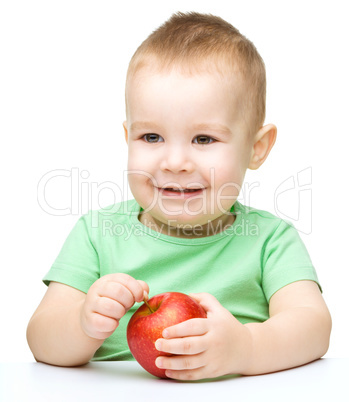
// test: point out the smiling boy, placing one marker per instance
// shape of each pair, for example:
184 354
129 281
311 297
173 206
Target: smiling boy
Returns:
199 152
195 108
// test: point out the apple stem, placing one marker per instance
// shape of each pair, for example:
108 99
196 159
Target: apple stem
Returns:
147 304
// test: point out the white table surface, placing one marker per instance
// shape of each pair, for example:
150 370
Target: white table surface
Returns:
322 380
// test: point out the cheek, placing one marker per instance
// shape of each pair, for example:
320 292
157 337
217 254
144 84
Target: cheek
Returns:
138 159
227 178
227 169
134 158
141 188
140 172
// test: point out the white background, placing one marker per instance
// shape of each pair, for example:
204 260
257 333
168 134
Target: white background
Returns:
62 73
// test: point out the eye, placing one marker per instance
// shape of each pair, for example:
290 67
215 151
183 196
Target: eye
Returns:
152 138
203 140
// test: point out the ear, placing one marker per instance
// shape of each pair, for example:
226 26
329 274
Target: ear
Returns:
263 143
125 129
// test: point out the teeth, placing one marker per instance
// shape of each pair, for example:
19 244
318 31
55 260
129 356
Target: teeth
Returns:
187 190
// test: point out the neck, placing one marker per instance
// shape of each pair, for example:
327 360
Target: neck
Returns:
188 231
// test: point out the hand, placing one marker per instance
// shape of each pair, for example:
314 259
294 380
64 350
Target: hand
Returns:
205 348
108 300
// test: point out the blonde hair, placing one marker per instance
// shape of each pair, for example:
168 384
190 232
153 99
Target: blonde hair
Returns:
194 41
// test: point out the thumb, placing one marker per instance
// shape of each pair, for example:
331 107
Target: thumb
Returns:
208 302
145 289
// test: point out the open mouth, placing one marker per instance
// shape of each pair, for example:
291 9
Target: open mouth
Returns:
182 190
171 191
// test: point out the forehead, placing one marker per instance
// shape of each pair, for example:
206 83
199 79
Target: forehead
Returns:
148 78
188 67
192 90
180 98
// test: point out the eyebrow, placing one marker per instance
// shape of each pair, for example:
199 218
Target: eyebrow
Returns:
222 129
145 125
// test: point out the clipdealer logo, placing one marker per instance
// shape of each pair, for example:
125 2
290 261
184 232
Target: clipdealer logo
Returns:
292 197
84 194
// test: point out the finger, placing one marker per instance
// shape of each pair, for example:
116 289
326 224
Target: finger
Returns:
192 327
109 308
191 345
118 292
187 375
180 362
100 327
207 301
145 288
129 282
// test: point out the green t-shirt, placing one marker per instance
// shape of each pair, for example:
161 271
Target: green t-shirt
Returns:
242 266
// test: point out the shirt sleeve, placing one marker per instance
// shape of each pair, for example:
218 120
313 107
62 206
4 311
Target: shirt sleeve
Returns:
285 260
77 264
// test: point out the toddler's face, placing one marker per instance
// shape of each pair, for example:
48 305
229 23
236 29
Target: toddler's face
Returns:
188 146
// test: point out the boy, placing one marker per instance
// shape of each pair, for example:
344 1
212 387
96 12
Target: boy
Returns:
195 107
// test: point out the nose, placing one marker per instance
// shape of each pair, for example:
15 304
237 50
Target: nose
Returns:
176 159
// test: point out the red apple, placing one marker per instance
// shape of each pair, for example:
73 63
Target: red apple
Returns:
146 326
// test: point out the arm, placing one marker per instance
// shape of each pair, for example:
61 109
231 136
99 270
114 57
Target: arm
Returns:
69 326
296 333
